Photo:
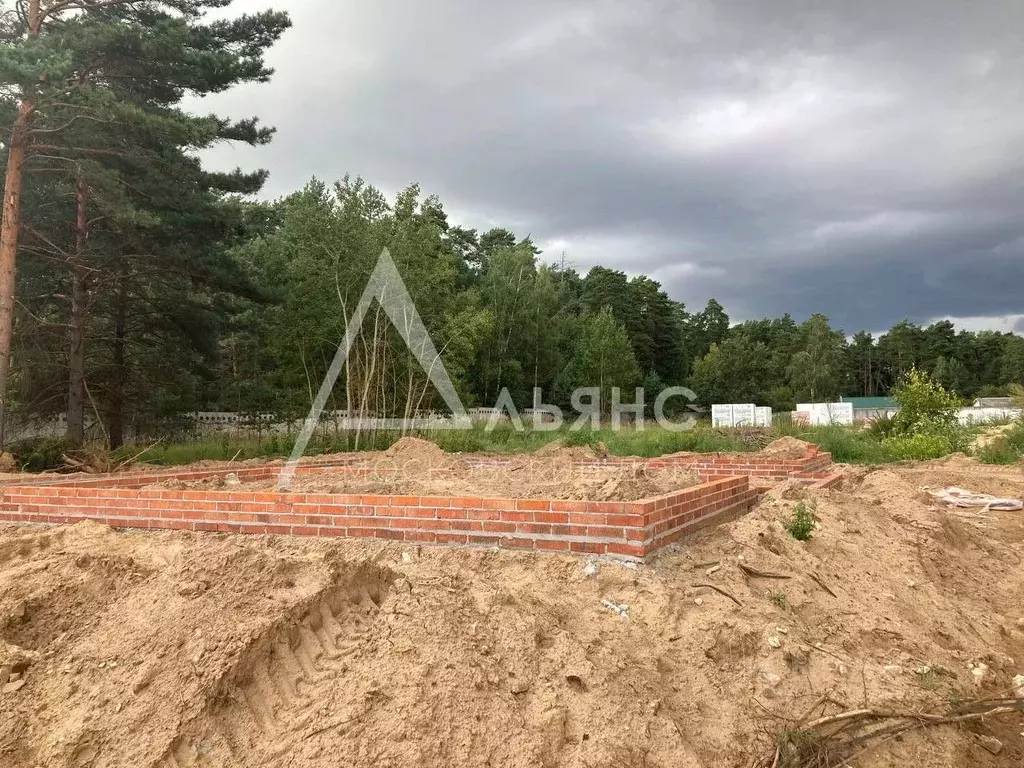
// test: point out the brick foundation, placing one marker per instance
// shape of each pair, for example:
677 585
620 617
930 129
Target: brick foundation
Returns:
629 529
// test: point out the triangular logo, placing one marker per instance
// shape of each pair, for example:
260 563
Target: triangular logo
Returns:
388 288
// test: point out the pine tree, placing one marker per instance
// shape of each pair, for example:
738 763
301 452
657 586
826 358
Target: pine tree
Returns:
112 64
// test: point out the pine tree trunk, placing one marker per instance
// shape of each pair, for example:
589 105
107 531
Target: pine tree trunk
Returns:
115 403
9 241
11 222
76 331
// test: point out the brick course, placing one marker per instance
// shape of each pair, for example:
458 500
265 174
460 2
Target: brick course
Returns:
628 529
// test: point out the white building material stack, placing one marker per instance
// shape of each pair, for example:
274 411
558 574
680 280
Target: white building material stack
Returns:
721 416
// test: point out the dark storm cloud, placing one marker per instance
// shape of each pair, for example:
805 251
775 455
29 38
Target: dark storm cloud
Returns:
860 159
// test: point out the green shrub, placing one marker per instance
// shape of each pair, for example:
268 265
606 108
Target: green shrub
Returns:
882 427
801 524
920 446
925 406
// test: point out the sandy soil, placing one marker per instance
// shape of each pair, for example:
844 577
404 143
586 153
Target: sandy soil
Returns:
414 467
175 649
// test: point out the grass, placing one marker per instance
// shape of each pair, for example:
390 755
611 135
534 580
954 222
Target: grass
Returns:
780 599
648 442
848 445
1006 449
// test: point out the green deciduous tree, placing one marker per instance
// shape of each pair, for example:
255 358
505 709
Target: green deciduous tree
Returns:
604 357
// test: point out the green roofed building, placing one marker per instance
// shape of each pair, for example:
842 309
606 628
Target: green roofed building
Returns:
866 408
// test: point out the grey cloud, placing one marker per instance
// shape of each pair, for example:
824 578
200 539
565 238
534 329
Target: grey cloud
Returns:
863 160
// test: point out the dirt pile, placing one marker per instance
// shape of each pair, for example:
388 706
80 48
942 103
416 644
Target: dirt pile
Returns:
786 448
174 650
409 452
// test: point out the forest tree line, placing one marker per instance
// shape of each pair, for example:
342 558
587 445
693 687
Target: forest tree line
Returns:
147 287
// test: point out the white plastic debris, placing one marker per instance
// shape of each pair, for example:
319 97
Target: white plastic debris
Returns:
621 610
591 568
958 497
1018 686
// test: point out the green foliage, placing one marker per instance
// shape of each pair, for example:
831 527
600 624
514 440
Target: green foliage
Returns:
918 446
779 599
882 427
815 371
801 524
926 408
604 358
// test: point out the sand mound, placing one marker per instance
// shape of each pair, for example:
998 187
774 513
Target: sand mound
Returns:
786 448
410 452
558 450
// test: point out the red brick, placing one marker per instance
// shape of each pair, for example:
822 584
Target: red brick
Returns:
481 514
535 528
552 546
586 518
502 504
634 550
517 517
534 504
588 547
551 517
435 501
499 527
452 514
569 506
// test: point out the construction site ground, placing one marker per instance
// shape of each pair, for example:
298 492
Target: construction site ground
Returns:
177 649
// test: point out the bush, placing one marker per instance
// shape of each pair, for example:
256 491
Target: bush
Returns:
925 407
801 525
920 446
882 427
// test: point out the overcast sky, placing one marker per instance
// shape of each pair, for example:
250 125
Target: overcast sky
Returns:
862 159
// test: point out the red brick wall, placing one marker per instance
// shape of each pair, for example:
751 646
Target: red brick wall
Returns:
630 529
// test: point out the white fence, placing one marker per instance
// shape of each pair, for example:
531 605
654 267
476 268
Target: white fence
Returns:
970 416
823 414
